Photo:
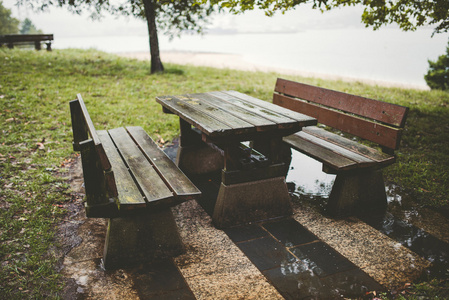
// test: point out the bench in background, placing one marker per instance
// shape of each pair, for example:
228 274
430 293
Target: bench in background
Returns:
132 182
359 184
19 39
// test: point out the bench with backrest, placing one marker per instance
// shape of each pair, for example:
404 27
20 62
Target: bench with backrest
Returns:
19 39
359 184
132 182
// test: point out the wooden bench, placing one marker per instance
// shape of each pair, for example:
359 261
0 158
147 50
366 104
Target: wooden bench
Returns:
13 39
132 182
359 184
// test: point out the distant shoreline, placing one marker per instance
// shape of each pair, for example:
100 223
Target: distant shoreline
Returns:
237 62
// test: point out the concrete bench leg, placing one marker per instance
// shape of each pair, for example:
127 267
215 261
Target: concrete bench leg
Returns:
37 45
142 238
357 192
251 201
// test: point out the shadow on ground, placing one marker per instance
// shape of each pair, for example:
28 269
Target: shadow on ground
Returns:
306 256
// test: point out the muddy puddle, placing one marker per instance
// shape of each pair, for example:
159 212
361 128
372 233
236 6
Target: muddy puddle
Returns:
422 230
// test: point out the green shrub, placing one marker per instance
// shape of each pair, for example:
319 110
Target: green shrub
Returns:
437 77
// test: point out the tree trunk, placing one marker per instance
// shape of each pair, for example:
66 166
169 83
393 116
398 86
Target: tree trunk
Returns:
150 14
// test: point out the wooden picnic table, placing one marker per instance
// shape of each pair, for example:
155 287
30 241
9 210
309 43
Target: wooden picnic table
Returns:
213 126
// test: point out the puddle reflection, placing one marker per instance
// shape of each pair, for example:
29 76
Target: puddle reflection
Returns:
401 221
306 174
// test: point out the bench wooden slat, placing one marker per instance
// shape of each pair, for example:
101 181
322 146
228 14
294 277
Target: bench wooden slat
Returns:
361 160
183 188
150 183
282 121
243 114
351 145
128 194
14 38
358 186
93 134
377 110
189 113
319 153
306 120
378 133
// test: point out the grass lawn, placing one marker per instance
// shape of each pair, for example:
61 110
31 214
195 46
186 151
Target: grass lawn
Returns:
35 140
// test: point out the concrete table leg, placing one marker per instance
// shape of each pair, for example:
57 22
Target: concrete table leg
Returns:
194 156
251 201
199 159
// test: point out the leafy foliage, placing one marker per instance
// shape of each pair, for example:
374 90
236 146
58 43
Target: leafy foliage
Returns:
8 24
437 76
408 14
173 17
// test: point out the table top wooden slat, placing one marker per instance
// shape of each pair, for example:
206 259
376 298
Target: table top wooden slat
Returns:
281 121
231 114
200 103
254 119
273 108
189 113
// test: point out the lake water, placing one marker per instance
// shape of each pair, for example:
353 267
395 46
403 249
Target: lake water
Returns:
388 55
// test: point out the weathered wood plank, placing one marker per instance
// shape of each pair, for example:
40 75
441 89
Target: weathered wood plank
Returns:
239 125
302 118
128 194
259 122
378 133
205 123
79 127
16 38
281 121
93 134
377 110
148 180
183 188
326 156
374 154
359 159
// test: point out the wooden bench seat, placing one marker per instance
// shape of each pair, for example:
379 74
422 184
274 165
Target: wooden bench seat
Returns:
355 122
20 39
132 182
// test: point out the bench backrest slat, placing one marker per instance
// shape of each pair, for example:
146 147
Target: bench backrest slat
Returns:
378 133
14 38
83 126
384 112
369 119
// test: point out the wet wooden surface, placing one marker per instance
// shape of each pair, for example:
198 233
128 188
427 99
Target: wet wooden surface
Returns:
233 114
125 163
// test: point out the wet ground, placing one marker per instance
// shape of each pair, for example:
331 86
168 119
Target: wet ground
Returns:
305 256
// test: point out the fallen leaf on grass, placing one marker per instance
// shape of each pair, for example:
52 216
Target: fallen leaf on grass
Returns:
40 146
11 120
